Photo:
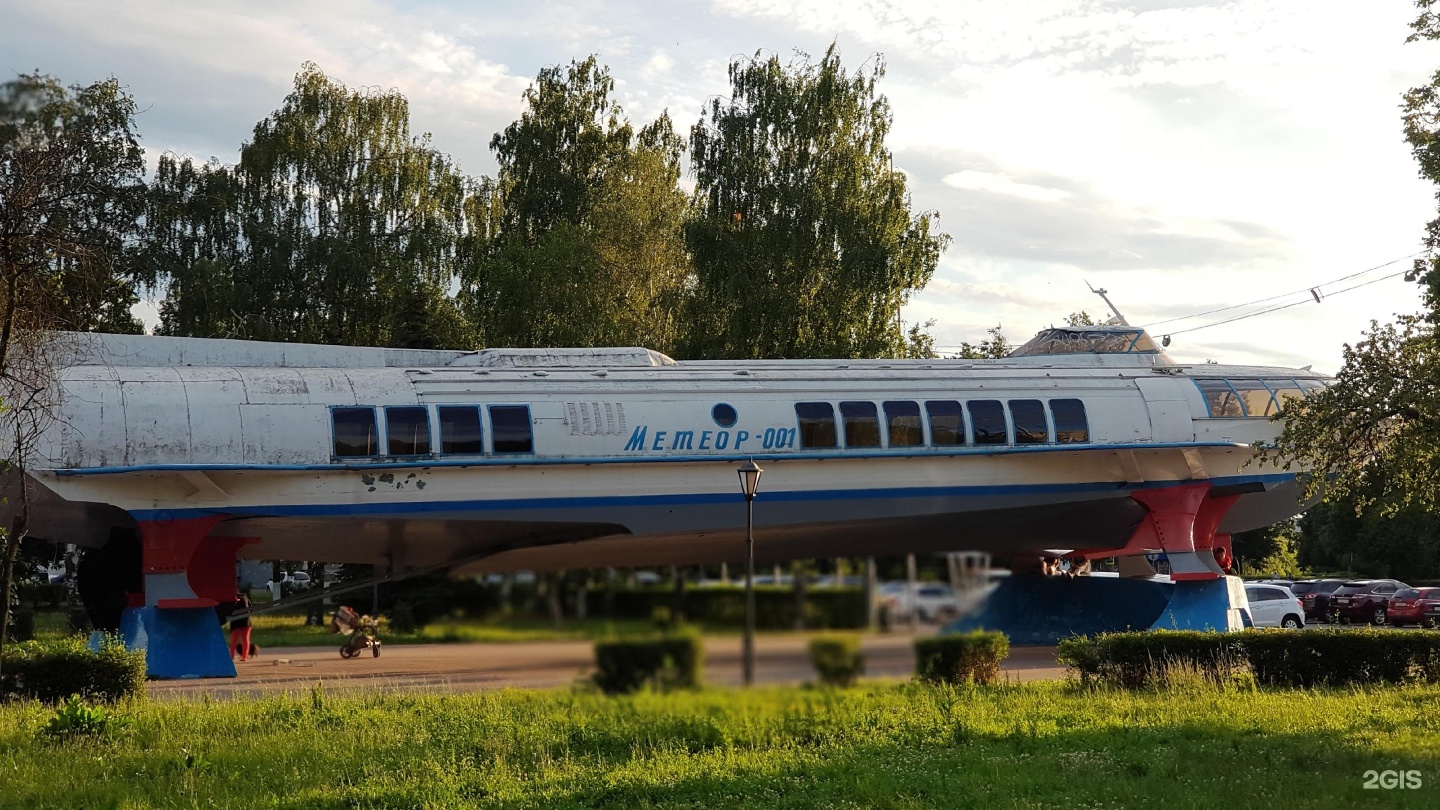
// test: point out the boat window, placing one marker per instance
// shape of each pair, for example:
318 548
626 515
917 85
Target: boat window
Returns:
817 424
1071 427
460 430
1284 391
947 425
987 419
355 435
1220 398
903 420
1029 418
510 429
1254 396
862 425
1310 386
408 429
1092 340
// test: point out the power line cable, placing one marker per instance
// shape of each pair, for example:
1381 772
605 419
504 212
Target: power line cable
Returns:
1269 310
1285 295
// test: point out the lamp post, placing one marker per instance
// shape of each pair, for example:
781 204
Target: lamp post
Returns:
749 482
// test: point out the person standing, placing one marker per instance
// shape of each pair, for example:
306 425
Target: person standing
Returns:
240 628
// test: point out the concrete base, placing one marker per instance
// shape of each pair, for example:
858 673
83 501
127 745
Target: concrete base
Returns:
1216 604
1044 610
178 642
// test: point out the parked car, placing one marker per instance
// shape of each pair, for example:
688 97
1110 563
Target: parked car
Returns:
1363 600
295 581
1315 596
933 602
1414 606
1274 606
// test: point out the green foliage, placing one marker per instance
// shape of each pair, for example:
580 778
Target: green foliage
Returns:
838 660
75 718
1374 435
337 226
802 236
585 246
885 746
956 658
38 594
70 195
626 666
1307 658
825 608
21 626
402 618
1403 543
1081 318
995 346
53 670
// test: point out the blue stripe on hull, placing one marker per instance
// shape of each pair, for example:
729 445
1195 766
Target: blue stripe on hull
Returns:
490 509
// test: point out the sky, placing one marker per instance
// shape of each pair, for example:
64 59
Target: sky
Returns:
1186 156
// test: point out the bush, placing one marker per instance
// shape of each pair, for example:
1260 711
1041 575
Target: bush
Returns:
52 671
625 666
76 718
37 594
724 606
1330 657
22 625
78 620
402 618
961 657
837 660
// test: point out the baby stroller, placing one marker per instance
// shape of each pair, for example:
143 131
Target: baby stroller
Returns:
360 632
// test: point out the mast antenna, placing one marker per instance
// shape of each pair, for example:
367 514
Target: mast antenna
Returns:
1118 320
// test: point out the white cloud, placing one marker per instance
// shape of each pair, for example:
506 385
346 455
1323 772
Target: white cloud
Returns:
973 180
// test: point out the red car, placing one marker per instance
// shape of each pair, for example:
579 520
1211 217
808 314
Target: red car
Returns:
1414 606
1363 600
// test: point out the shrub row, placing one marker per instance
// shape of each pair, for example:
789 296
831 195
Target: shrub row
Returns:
42 594
838 660
51 671
825 608
1328 657
625 666
961 657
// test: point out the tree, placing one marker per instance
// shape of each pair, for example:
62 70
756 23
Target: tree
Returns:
1373 436
585 244
1081 318
802 236
70 192
337 226
996 346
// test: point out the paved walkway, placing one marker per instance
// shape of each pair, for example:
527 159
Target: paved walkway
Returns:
782 659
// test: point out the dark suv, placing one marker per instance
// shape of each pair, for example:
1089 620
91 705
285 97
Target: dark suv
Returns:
1363 600
1315 596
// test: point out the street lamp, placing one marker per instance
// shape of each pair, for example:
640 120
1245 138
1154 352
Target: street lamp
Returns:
749 482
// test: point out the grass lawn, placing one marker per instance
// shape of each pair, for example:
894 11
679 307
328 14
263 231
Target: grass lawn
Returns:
905 746
290 631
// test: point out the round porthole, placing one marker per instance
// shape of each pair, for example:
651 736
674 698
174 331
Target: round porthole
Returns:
724 415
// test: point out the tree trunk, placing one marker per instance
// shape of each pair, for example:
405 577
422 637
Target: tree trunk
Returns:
12 550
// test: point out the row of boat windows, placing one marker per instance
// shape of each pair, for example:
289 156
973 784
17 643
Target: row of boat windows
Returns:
946 423
1252 398
407 430
950 423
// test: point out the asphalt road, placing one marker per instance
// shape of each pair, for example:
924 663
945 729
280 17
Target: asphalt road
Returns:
467 667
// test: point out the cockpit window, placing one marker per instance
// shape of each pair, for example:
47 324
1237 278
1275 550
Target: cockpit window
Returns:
1220 398
1088 341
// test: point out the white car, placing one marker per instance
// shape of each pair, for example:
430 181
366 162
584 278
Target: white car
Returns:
1274 606
934 601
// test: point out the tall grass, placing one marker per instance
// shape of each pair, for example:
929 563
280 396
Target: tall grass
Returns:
1034 745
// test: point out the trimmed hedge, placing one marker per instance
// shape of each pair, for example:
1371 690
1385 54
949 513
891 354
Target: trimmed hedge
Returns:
51 671
626 666
42 594
961 657
724 606
837 659
1306 658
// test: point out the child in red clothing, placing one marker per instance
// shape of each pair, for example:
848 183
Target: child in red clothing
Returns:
240 629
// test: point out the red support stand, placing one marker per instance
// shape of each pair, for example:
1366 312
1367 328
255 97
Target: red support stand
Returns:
168 548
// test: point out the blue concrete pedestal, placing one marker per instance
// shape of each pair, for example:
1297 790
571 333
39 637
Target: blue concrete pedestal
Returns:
1044 610
178 642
